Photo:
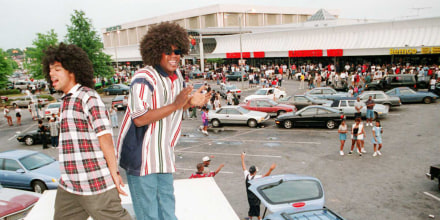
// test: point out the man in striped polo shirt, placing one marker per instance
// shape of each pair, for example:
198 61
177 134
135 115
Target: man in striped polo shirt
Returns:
152 123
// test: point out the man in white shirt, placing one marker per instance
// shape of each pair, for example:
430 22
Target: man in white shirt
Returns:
358 106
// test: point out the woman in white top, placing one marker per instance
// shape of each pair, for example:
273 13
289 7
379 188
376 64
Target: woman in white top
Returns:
342 135
357 134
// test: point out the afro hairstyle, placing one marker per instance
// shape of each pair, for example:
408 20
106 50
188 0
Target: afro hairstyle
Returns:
73 59
159 39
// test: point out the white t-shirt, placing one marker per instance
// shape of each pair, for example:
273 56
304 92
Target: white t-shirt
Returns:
246 173
358 105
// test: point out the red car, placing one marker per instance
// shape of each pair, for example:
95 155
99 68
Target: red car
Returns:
269 106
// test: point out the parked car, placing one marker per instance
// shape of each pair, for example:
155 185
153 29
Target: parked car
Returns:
236 115
325 93
120 102
26 169
437 89
346 106
237 76
24 101
117 89
32 137
22 85
314 115
269 93
224 88
195 74
301 101
16 204
52 108
407 95
269 106
393 81
380 97
291 196
434 172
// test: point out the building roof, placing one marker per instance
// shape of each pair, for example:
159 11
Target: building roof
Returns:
320 15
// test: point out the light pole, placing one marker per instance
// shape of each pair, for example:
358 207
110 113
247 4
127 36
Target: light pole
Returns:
116 49
240 63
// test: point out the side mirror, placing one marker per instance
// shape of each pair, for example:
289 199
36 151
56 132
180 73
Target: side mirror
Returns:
299 115
20 171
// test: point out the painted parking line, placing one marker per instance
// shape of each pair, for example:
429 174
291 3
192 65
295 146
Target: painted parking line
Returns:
228 154
393 114
21 132
177 168
262 141
432 196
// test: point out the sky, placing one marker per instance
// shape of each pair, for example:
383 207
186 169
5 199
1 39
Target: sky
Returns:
21 20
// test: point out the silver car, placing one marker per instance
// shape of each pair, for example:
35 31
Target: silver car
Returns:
347 107
25 100
379 97
236 115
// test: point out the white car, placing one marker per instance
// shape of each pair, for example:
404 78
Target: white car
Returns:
52 108
270 93
233 114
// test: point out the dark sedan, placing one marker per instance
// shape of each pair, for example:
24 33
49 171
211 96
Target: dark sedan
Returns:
237 76
117 89
311 116
301 101
32 137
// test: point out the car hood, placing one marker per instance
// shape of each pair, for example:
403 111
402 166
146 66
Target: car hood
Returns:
52 170
427 93
289 192
287 115
255 96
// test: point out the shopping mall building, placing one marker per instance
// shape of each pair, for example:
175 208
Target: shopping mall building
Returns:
285 35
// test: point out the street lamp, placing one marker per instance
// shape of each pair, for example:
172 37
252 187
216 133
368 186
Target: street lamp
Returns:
116 49
241 47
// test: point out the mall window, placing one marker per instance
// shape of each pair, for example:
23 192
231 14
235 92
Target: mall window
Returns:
231 19
210 20
194 23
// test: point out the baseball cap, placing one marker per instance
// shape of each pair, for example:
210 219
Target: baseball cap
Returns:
206 158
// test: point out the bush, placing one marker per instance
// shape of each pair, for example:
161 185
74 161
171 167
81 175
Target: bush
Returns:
100 90
48 97
9 91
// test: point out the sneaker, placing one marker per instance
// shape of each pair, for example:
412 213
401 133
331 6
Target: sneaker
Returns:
379 153
375 154
363 150
206 133
360 154
341 153
358 151
350 153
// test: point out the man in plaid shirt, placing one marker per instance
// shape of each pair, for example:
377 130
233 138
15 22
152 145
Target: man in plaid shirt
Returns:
90 181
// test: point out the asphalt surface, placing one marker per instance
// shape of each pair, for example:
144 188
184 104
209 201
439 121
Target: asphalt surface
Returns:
391 186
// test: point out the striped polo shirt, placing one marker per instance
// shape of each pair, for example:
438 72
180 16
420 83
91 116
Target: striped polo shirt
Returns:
150 148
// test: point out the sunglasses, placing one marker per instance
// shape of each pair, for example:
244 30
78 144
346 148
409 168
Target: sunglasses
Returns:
176 52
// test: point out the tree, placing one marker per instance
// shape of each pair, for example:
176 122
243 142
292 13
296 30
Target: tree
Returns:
6 68
83 34
36 54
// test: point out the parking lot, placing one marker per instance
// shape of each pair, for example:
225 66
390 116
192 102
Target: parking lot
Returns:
391 186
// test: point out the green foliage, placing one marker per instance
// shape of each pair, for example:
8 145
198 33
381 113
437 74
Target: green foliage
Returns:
48 97
83 34
215 60
9 91
14 52
6 68
36 54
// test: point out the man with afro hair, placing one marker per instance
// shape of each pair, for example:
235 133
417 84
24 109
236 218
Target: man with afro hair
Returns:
152 123
90 181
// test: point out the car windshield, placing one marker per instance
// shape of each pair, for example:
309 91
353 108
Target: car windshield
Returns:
285 99
54 105
291 191
243 110
118 98
36 161
231 87
197 86
261 92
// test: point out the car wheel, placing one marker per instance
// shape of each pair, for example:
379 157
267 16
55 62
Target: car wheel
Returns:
330 124
427 100
107 93
29 140
281 96
288 124
388 105
215 123
39 187
252 123
376 116
239 79
124 92
280 112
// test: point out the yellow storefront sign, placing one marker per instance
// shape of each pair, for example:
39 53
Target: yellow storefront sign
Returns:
395 51
435 49
428 50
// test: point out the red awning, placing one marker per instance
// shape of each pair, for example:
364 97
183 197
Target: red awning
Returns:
305 53
335 52
259 54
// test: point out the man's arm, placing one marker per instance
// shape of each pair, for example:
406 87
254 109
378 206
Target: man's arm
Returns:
106 143
270 170
242 161
219 168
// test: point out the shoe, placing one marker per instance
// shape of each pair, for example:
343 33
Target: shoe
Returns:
379 153
206 133
360 154
363 150
375 154
341 153
350 153
358 151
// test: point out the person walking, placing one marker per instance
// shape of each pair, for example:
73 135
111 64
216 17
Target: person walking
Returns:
377 138
253 201
18 115
54 128
342 130
205 121
90 183
114 116
301 85
146 141
6 113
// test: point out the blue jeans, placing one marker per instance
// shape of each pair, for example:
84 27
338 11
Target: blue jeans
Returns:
370 113
153 196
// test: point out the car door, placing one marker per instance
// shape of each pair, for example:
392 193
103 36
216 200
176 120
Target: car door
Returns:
13 178
322 116
301 102
265 106
343 106
307 117
328 93
350 108
380 98
407 95
234 116
252 105
270 94
317 93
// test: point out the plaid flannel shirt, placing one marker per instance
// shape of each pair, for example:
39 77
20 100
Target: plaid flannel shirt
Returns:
84 118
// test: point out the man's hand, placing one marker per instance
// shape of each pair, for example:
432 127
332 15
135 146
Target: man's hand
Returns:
243 155
272 167
117 179
200 99
183 97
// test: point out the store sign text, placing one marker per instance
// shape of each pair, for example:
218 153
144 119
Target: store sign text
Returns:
403 51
